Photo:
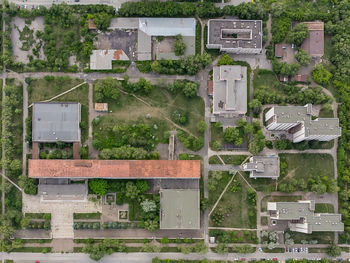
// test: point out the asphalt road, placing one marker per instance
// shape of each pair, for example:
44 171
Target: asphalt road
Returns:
147 257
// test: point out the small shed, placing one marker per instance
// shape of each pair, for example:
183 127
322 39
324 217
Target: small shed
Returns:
300 78
101 107
91 24
210 87
279 50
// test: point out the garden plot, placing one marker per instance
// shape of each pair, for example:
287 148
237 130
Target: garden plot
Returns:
24 38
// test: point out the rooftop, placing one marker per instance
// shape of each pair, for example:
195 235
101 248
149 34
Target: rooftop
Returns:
157 26
102 59
235 34
179 209
263 166
230 89
56 121
114 169
292 114
306 210
314 44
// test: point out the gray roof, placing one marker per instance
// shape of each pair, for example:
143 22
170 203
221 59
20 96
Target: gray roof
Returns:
168 26
303 114
124 23
56 121
263 166
179 209
230 89
235 34
305 210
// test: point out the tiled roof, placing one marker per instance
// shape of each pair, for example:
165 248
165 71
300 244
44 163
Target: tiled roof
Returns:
114 169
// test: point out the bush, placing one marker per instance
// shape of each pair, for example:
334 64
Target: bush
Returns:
98 186
179 46
179 117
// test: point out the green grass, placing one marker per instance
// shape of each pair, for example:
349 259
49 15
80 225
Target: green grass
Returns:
237 236
317 250
233 159
321 237
265 185
345 249
283 198
32 249
274 250
119 66
324 208
303 165
216 134
214 195
36 241
214 160
327 46
264 78
186 156
43 89
144 66
325 113
37 215
135 209
236 208
198 37
87 215
264 220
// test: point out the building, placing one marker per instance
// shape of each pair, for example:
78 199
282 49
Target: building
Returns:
279 50
101 107
314 44
102 59
179 209
230 90
263 167
302 218
297 121
235 36
150 28
114 169
56 122
299 78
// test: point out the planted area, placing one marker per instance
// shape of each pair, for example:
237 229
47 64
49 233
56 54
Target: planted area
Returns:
307 172
154 111
237 207
237 236
217 182
281 198
87 215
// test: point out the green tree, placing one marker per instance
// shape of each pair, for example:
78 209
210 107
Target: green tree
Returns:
333 250
225 60
151 225
98 186
131 190
186 249
255 105
148 206
201 126
179 46
302 57
222 248
232 134
28 184
107 88
298 34
321 75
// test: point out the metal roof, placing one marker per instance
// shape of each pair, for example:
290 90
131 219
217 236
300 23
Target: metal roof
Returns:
179 209
56 121
168 26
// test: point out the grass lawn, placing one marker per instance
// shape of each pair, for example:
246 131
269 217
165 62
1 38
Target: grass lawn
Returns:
39 241
321 237
264 220
265 78
317 250
214 160
186 156
237 236
217 134
233 159
238 212
274 250
303 165
214 195
283 198
261 184
32 249
324 208
87 215
46 88
163 103
325 113
327 46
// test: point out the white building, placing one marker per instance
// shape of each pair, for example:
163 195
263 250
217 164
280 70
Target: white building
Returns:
263 167
297 120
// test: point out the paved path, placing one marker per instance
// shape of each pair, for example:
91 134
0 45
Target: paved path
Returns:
25 149
223 167
2 126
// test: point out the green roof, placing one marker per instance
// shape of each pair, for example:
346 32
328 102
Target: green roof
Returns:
179 209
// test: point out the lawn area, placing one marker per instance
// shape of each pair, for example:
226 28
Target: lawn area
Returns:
233 159
283 198
326 113
214 195
265 185
216 134
321 237
324 208
317 250
264 220
48 87
274 250
214 160
327 46
238 211
264 78
33 249
237 236
87 215
304 165
129 110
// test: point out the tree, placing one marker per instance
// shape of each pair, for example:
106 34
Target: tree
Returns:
28 184
98 186
131 190
302 57
217 217
321 75
225 60
102 20
232 134
216 145
201 126
255 105
333 250
222 248
200 247
186 249
148 206
16 166
179 45
107 88
142 186
298 34
151 225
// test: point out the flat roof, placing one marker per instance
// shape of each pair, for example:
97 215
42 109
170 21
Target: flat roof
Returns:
231 34
101 59
230 89
159 26
323 126
179 209
114 169
292 114
305 209
56 121
314 44
263 166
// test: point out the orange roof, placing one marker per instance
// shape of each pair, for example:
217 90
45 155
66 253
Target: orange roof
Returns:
210 87
92 24
114 169
101 106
